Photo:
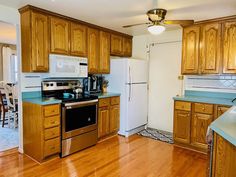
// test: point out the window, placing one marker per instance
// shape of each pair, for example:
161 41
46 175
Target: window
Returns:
14 68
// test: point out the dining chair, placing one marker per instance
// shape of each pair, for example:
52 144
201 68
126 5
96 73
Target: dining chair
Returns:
3 109
11 105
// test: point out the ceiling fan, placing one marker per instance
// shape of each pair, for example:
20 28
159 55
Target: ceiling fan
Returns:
157 21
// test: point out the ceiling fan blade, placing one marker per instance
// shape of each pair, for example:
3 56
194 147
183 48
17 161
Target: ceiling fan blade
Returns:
127 26
180 22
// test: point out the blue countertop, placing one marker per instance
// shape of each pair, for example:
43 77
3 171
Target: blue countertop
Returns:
210 100
42 101
221 98
106 95
225 125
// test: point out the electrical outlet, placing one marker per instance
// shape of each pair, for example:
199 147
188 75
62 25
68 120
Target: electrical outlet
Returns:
181 77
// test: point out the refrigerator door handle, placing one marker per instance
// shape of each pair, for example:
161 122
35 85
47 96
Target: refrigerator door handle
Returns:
130 81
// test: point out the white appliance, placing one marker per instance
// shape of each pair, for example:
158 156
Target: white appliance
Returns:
67 66
129 77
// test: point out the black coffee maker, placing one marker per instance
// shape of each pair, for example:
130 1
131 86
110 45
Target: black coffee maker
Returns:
92 84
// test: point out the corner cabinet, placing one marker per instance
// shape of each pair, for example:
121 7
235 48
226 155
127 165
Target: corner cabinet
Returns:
121 46
108 117
59 35
34 43
93 50
190 51
229 47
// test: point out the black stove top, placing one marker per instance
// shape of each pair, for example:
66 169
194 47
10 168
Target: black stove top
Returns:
77 99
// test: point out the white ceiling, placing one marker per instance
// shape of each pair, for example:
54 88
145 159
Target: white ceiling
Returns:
114 14
7 33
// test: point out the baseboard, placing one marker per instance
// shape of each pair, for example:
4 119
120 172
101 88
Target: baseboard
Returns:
20 150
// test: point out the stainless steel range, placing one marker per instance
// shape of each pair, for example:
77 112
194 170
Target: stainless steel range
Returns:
79 114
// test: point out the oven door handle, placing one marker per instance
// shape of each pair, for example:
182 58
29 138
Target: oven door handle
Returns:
82 103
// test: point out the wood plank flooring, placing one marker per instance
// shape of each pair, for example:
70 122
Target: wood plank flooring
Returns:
135 156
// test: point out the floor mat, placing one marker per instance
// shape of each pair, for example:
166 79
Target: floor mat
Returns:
9 138
157 135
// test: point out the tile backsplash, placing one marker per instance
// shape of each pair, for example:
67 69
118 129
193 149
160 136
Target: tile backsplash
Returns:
211 83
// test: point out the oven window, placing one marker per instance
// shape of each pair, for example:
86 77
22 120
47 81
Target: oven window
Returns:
80 117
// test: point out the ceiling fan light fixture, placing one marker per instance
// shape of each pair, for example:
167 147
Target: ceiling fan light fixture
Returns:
156 29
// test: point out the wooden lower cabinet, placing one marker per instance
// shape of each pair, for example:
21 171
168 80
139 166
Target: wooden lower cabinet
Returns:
108 116
103 121
41 130
224 158
199 126
182 122
191 121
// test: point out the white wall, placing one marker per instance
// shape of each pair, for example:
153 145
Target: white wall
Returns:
165 64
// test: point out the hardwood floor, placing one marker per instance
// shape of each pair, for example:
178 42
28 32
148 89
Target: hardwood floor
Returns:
132 157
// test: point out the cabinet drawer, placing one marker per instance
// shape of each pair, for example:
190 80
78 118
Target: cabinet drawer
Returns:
51 133
181 105
203 108
51 121
115 100
51 110
51 147
221 110
104 102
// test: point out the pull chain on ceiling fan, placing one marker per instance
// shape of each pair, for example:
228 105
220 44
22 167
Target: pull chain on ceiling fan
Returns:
157 21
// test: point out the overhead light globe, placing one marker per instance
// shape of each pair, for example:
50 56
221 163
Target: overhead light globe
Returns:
156 29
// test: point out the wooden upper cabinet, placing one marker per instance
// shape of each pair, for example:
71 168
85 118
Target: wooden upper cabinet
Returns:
104 59
229 47
59 35
78 42
190 51
127 47
35 37
39 42
116 45
182 126
93 50
211 48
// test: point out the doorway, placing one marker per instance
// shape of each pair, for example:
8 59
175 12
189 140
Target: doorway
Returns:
9 87
165 64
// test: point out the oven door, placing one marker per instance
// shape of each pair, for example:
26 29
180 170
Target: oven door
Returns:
79 118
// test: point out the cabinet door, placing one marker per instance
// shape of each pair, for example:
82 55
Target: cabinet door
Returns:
211 48
59 36
190 50
93 50
229 49
103 121
39 43
114 118
116 45
78 41
199 125
127 47
104 60
224 160
220 110
182 126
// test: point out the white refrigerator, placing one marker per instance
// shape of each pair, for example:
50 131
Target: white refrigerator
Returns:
129 77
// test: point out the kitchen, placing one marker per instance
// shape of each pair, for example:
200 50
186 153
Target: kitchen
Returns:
200 95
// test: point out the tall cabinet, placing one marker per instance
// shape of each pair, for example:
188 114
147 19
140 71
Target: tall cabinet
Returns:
34 43
190 54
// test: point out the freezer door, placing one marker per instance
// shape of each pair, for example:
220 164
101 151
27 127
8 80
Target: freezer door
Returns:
137 106
137 71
